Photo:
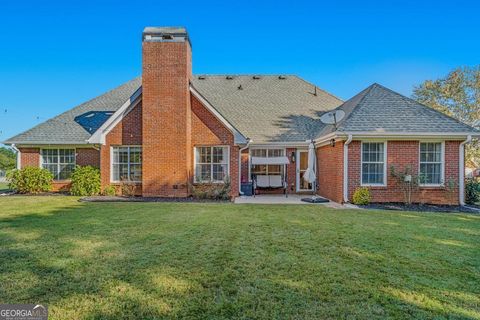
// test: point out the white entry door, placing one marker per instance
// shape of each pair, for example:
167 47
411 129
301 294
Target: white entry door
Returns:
302 165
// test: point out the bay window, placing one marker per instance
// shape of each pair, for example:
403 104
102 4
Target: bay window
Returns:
211 164
373 163
431 163
126 164
60 162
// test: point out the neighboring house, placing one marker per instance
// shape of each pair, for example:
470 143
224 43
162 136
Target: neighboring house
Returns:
169 128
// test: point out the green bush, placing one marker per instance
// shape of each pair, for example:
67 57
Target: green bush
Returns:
30 180
109 191
212 191
85 181
472 191
361 196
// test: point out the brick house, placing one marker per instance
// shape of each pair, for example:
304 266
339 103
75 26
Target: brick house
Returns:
169 129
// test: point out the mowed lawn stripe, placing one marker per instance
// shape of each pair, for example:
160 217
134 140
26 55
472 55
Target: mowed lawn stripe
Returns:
220 261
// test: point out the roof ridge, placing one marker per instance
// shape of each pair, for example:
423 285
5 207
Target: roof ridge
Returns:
313 84
408 99
365 92
244 74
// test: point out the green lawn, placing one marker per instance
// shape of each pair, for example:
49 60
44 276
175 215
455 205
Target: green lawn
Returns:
219 261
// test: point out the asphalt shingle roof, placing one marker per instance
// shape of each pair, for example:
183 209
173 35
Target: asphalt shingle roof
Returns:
76 125
263 108
379 109
268 108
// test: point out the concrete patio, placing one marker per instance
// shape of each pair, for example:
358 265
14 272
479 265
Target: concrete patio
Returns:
281 199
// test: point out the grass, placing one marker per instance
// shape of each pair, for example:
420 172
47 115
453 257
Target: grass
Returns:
221 261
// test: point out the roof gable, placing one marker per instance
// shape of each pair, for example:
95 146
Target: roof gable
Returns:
379 109
76 125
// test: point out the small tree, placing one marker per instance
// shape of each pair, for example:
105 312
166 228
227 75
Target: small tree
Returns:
7 159
408 181
458 95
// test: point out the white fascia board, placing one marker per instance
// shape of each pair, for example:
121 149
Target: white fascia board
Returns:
397 135
278 144
56 145
98 136
237 136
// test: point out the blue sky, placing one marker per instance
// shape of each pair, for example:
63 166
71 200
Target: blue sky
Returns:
57 54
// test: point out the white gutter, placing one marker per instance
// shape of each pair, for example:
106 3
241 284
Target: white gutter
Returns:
345 167
408 134
395 135
240 167
280 144
19 156
461 171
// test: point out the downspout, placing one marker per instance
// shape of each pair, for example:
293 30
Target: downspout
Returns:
240 166
461 171
19 155
345 168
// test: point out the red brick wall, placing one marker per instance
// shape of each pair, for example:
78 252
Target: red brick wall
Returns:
401 154
126 132
30 157
330 171
88 157
245 164
207 130
291 171
166 118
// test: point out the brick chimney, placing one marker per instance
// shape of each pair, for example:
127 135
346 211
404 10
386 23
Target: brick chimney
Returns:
167 150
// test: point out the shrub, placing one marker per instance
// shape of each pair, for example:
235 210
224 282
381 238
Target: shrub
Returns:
109 191
361 196
30 180
127 189
212 191
85 181
472 191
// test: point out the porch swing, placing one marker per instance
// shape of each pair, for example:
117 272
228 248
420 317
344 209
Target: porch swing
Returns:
278 181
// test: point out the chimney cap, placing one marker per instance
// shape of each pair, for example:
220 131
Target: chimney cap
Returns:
165 34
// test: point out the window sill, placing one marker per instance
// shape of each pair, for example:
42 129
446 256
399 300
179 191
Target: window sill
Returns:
117 183
431 186
208 182
374 185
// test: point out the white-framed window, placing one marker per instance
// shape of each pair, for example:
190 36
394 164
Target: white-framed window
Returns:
263 169
432 156
373 167
126 164
60 162
211 164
